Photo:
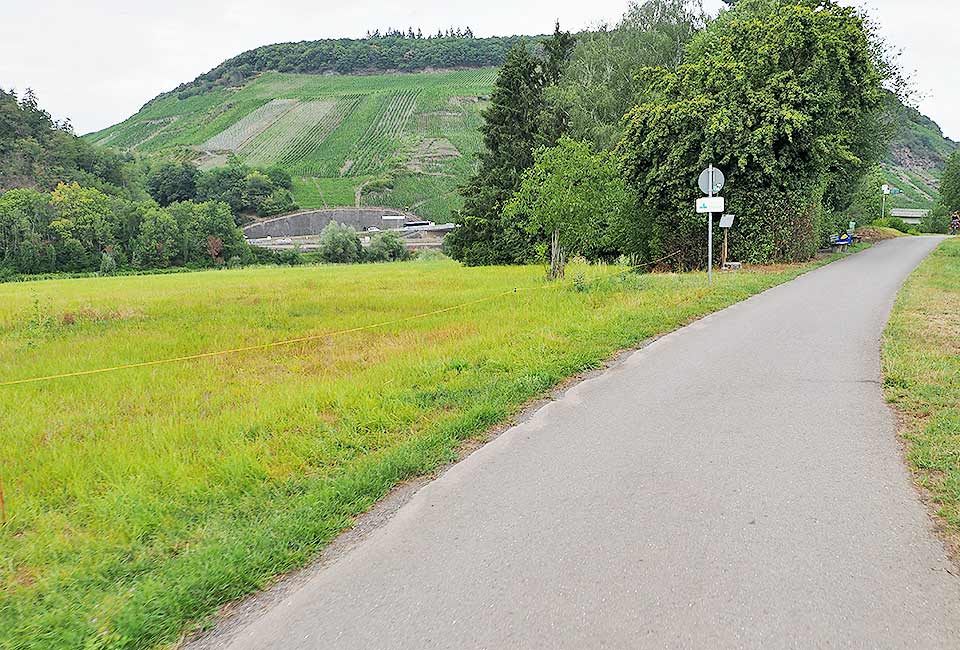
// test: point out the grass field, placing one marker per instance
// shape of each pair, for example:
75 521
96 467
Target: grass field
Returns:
140 500
921 362
331 130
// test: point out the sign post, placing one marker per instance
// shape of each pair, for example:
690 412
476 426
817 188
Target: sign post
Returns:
726 222
711 181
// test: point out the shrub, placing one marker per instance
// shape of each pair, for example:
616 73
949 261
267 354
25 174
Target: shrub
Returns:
387 247
339 244
892 222
938 221
278 202
429 255
260 255
108 265
290 257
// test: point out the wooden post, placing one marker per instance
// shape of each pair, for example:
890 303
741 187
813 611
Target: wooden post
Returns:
723 262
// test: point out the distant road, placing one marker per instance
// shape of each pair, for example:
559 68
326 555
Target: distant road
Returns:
737 484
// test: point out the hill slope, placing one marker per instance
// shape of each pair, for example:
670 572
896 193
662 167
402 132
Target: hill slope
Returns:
917 157
403 140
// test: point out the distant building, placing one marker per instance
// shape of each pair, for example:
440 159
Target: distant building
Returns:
911 217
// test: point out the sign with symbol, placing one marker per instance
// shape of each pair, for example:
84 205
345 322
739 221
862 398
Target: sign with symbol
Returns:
718 181
726 221
886 189
710 204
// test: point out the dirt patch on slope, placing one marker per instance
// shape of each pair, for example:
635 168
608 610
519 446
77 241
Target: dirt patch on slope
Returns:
431 152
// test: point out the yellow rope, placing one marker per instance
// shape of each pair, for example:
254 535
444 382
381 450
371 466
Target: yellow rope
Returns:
261 346
274 344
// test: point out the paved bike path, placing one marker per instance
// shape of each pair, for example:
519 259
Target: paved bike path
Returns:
737 483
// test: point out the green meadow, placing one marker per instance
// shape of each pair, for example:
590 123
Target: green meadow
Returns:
140 500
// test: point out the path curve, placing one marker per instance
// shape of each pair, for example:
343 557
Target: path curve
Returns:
736 484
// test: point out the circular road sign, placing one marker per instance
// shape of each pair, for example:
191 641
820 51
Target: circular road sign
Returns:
718 181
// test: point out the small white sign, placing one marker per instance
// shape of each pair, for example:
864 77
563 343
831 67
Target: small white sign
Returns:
710 204
886 189
726 221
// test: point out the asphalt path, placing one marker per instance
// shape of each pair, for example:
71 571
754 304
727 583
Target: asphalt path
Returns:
735 484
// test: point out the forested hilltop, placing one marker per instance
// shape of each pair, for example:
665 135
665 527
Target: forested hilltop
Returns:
392 51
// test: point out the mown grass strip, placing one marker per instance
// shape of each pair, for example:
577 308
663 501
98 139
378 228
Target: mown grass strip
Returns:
921 365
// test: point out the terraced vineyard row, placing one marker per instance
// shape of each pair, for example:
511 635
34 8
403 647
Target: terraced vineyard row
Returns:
314 136
333 133
382 138
329 160
269 145
250 126
131 138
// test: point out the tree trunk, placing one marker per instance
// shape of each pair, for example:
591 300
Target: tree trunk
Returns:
556 257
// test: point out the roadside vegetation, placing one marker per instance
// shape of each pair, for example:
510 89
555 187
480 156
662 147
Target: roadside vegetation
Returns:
921 364
138 501
700 92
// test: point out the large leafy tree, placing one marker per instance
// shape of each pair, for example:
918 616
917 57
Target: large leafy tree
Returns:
171 181
159 240
339 244
601 84
779 95
574 199
85 220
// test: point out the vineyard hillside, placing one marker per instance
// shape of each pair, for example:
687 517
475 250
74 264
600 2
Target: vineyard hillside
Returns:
369 123
402 140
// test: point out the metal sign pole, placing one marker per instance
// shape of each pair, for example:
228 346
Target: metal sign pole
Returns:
710 235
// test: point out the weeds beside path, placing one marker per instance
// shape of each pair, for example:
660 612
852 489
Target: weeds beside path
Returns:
921 363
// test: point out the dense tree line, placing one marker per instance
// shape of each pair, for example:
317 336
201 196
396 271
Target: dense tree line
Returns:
786 97
80 229
37 151
450 32
395 51
67 206
247 191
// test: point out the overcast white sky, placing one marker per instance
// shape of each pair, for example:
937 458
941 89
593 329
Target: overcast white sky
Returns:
98 61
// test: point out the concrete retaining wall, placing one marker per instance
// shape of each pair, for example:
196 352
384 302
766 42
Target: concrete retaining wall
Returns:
314 221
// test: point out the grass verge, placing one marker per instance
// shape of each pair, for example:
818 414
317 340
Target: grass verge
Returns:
921 364
139 501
